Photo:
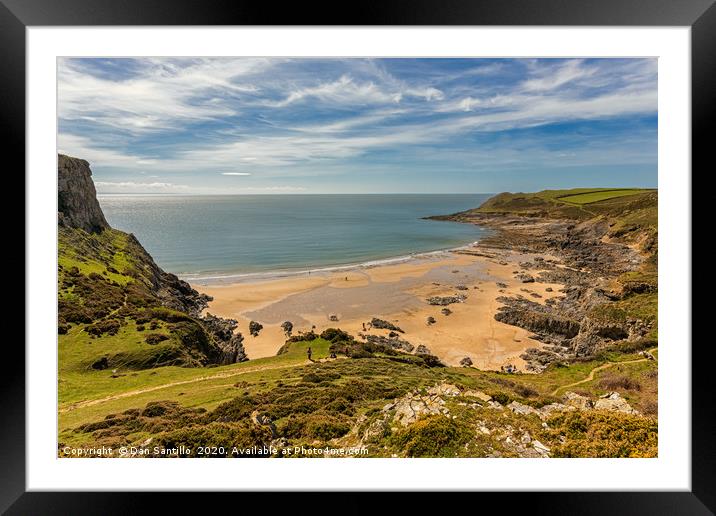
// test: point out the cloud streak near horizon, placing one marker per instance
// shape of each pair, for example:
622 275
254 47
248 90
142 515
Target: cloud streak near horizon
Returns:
359 125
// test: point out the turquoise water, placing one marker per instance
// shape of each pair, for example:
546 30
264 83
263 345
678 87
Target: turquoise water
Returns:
203 237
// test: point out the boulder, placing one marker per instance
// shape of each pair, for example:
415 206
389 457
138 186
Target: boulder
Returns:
384 325
444 389
255 328
477 394
541 448
577 401
422 350
522 409
614 402
412 406
232 350
446 300
394 343
466 362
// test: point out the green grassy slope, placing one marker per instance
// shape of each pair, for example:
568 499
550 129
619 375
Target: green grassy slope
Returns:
322 403
118 311
577 203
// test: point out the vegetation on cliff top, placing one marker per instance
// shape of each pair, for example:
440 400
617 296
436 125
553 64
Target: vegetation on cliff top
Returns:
117 310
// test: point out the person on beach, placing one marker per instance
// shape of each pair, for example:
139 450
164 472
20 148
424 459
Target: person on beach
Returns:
309 353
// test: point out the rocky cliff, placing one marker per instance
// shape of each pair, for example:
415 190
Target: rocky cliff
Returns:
77 205
109 285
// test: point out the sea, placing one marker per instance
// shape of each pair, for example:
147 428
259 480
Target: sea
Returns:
224 238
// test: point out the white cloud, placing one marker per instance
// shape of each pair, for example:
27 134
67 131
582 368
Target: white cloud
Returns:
345 90
426 93
366 109
165 91
348 91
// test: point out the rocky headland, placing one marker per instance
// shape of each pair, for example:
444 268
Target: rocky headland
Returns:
605 253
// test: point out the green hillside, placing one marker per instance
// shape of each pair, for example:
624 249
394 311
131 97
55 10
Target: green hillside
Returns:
577 203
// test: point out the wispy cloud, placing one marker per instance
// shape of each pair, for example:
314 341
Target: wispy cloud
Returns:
157 95
272 118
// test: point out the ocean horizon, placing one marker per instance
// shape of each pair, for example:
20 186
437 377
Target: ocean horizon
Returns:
214 238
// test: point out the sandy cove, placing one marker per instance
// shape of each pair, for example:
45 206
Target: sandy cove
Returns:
396 293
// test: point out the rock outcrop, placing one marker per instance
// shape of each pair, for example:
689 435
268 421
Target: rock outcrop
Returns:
77 205
384 325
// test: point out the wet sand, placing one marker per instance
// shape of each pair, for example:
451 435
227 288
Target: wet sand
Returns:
396 293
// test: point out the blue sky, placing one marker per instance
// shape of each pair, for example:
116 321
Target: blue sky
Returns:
275 125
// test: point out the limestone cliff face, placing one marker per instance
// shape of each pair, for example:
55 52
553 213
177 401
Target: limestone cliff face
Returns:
77 205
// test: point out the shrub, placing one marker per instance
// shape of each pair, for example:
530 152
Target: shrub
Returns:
359 353
100 364
525 391
431 361
74 312
500 397
244 436
616 382
62 327
155 338
597 433
108 326
159 408
432 436
331 334
626 346
315 426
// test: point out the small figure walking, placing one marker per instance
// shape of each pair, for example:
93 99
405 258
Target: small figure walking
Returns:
309 353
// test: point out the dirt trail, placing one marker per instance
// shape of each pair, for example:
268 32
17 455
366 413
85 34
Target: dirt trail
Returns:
136 392
602 367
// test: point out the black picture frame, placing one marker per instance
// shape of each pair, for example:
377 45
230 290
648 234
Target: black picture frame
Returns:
700 15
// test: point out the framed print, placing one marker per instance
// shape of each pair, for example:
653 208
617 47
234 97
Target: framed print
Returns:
438 245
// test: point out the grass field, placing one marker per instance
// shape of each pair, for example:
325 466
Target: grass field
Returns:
598 195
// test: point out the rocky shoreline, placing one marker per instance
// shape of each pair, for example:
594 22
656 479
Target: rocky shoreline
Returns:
586 261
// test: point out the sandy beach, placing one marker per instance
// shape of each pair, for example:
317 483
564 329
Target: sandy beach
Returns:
396 293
